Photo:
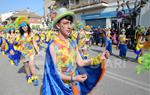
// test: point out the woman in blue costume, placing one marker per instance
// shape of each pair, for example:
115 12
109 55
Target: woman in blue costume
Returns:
1 43
61 74
5 46
108 40
2 29
13 54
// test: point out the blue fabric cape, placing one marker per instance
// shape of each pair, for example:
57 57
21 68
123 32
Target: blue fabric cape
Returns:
53 84
93 74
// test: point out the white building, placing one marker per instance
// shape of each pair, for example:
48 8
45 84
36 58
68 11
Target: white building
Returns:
4 16
144 16
101 13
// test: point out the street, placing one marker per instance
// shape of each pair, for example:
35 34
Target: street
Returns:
27 27
120 77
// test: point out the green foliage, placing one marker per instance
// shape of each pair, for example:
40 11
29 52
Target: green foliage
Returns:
145 66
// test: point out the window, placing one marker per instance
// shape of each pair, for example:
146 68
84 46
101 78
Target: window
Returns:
77 1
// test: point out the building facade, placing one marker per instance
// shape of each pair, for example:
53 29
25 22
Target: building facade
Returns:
4 16
34 19
143 18
101 13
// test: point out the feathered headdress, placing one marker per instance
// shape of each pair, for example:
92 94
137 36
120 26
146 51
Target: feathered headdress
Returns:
11 27
141 29
20 21
87 27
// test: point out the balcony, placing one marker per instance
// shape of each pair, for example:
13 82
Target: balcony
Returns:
91 4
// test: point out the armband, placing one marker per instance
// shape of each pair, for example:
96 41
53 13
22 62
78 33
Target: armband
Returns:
96 60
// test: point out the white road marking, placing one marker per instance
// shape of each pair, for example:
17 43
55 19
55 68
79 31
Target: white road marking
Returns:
128 81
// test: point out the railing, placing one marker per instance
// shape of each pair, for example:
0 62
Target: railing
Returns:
89 3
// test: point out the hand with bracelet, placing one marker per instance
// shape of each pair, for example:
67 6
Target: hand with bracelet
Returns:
79 78
106 55
99 58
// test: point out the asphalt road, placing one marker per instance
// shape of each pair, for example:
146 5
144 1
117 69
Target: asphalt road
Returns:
120 77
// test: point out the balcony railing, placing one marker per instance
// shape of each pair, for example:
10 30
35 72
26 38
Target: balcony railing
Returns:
89 3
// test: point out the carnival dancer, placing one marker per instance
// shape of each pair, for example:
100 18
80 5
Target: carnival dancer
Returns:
4 46
88 34
122 44
13 54
91 37
28 47
51 31
80 37
108 40
52 17
74 35
103 36
145 66
37 39
61 76
82 45
140 42
1 33
114 37
42 42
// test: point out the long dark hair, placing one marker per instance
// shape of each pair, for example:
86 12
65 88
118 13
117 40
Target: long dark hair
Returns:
10 31
22 31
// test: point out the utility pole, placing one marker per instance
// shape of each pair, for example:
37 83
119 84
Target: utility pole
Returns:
120 14
69 4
